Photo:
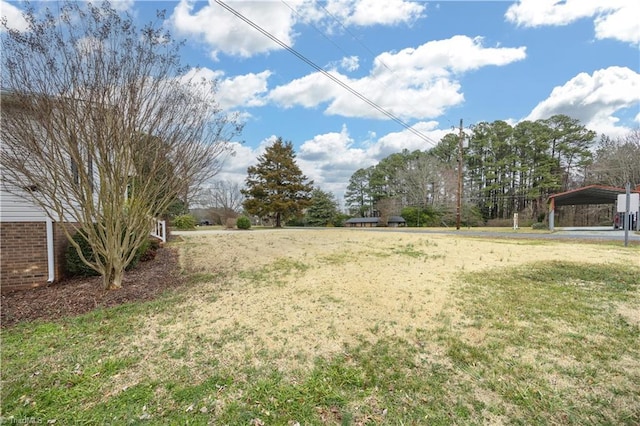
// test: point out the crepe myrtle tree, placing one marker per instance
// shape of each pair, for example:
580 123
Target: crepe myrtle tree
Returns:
102 127
276 186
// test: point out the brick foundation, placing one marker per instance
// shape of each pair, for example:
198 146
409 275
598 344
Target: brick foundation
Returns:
23 254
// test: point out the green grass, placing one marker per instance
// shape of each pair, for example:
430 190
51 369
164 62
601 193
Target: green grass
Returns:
542 344
555 347
273 273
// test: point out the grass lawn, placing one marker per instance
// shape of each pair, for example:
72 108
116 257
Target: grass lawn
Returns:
348 327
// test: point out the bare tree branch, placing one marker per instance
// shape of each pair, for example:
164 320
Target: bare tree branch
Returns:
100 118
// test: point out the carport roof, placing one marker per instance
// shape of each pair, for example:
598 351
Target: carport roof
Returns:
392 219
592 194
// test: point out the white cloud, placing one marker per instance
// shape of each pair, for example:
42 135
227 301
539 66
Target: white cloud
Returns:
235 168
331 159
616 19
412 83
239 91
622 24
243 90
122 5
308 91
14 17
351 63
594 99
405 139
376 12
225 32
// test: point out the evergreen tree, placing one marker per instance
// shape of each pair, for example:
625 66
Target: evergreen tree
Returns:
358 195
276 186
571 144
323 208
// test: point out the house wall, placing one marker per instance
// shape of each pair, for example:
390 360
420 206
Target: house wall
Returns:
23 254
18 209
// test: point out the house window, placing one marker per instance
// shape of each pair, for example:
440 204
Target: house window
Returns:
75 172
90 171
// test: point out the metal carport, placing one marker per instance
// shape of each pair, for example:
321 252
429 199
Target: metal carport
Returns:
588 195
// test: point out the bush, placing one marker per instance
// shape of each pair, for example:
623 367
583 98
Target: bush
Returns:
76 267
243 222
231 223
184 222
74 264
539 225
148 249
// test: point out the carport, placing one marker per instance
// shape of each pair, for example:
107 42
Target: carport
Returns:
588 195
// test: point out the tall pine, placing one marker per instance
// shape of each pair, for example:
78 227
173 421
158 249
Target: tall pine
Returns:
276 187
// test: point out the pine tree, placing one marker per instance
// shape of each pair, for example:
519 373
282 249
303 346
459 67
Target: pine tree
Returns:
276 186
358 195
323 209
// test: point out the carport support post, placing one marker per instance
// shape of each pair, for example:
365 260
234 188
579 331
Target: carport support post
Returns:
627 217
552 207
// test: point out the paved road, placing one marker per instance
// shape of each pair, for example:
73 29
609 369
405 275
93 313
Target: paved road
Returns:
562 234
595 233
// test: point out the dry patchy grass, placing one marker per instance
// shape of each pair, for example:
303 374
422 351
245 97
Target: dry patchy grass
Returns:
299 294
340 326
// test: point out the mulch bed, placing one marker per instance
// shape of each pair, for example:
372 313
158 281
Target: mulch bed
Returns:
76 296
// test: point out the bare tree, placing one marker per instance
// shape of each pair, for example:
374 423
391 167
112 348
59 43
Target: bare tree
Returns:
386 208
419 179
223 194
617 161
222 199
103 128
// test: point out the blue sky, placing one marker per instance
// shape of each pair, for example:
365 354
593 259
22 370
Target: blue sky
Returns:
428 63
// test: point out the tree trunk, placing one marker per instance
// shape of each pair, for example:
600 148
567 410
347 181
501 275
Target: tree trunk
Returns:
112 279
278 221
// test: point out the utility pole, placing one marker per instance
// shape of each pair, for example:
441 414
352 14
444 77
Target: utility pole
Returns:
627 216
459 192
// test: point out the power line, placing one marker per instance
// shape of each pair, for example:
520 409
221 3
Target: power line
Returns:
327 74
317 29
354 37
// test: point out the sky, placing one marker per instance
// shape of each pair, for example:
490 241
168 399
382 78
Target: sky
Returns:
350 82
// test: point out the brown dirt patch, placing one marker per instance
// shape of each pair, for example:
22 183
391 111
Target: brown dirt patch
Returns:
78 296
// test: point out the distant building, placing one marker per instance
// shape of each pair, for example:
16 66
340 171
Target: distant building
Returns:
394 221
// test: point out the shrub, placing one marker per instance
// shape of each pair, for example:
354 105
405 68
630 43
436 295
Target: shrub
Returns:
148 249
76 267
184 222
539 225
243 222
74 264
340 219
231 223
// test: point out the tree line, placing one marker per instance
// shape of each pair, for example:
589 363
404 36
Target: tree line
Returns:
506 169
